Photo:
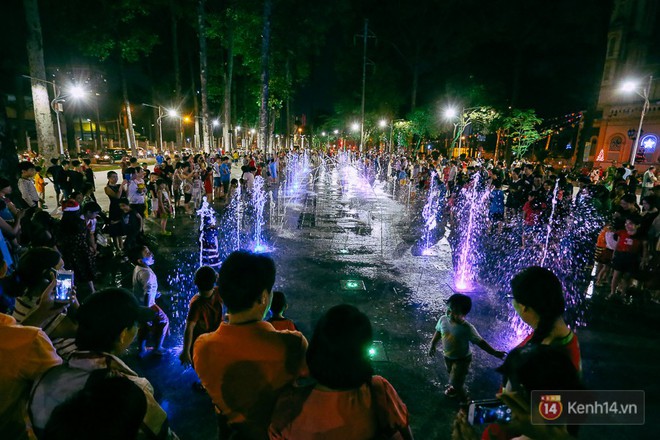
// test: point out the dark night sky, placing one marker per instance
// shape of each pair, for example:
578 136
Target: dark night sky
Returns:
470 51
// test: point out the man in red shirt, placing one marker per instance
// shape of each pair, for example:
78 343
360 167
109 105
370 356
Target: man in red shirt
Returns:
245 364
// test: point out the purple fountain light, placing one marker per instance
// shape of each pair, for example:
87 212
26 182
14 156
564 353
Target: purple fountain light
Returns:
474 203
430 213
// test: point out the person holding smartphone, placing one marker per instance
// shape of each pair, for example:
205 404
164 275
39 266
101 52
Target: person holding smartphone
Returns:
36 303
526 369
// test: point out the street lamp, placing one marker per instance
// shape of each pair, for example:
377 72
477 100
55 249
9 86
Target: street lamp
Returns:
382 123
635 86
172 114
75 91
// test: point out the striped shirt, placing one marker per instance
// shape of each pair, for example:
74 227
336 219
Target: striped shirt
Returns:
25 306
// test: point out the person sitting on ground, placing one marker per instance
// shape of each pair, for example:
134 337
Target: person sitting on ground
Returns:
538 298
526 369
145 289
204 311
277 307
246 363
108 323
456 334
107 408
347 401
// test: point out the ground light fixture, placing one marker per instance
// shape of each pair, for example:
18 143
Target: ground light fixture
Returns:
352 284
377 353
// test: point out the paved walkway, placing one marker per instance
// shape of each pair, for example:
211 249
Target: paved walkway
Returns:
340 228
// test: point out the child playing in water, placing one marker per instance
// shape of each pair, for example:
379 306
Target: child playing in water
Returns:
456 334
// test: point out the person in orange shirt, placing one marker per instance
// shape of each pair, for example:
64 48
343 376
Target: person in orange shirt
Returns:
25 354
347 401
246 363
277 307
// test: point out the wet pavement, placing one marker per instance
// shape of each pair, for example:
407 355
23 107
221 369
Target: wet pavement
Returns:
334 231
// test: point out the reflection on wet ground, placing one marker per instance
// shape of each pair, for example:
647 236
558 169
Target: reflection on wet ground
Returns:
338 227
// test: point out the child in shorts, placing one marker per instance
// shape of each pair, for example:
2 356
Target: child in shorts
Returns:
456 334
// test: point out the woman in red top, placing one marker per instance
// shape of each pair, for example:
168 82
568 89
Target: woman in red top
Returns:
538 298
348 402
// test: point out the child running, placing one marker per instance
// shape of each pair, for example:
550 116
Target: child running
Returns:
456 334
278 306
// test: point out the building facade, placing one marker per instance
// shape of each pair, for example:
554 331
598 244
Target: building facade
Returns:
631 55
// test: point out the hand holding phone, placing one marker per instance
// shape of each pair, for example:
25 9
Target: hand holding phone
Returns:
488 411
64 287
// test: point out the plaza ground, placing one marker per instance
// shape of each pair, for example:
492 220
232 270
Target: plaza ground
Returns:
342 229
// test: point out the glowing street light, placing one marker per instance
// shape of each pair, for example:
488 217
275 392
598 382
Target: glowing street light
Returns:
355 126
630 86
635 86
216 123
77 92
450 113
382 123
172 113
336 132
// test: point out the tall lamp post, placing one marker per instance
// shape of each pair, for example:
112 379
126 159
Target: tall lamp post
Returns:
75 91
635 86
160 127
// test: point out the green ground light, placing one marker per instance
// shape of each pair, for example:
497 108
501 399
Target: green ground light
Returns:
352 285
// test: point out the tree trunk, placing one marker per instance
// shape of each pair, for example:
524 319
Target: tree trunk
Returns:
415 79
8 156
20 114
129 116
262 141
195 136
228 77
287 141
177 68
42 115
201 24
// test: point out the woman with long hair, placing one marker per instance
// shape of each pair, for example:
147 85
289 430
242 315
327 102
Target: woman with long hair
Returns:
538 299
347 401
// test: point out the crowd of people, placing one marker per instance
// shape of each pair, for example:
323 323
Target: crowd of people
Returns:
61 357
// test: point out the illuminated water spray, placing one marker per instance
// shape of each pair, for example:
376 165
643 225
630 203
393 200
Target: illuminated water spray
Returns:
430 215
258 203
473 207
550 223
209 251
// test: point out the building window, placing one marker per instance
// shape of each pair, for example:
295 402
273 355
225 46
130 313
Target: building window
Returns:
616 142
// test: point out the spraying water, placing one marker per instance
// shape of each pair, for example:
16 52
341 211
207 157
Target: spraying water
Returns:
550 223
474 205
430 215
209 251
258 203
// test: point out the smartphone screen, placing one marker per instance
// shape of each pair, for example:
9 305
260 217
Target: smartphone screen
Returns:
488 411
64 285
